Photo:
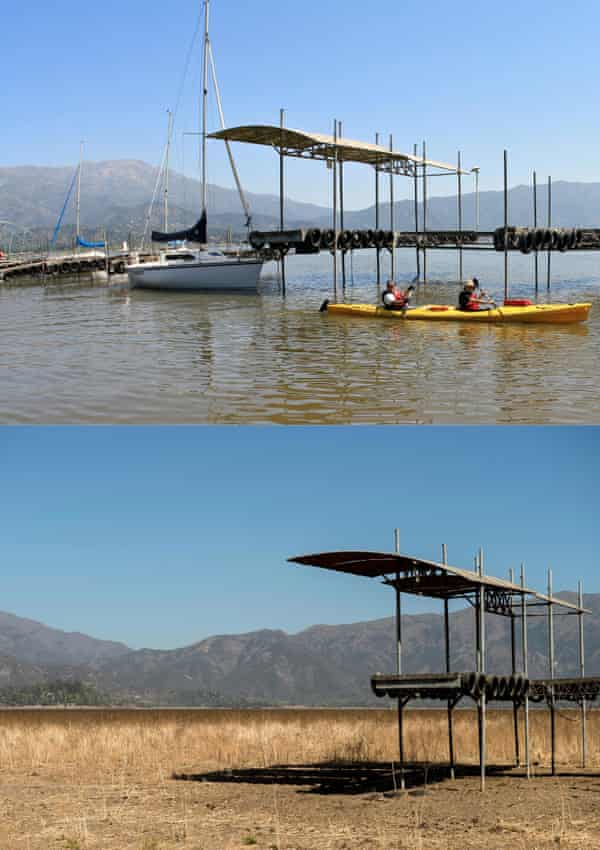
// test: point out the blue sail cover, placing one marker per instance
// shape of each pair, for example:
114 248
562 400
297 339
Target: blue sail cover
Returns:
83 244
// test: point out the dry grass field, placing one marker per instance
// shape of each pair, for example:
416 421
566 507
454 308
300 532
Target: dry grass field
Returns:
103 780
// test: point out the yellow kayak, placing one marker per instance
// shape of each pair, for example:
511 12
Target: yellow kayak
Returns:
534 313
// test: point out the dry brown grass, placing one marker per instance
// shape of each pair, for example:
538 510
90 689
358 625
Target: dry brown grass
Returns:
100 780
156 741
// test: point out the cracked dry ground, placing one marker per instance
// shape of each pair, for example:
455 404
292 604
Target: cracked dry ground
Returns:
45 809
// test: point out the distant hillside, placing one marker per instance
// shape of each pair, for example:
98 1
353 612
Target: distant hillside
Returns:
36 644
322 665
116 195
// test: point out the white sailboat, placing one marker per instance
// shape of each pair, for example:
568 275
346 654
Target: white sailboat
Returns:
199 268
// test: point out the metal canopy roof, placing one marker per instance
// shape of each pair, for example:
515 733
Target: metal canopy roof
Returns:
420 577
320 146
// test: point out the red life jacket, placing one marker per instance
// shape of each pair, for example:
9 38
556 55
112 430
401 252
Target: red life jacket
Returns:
401 299
472 303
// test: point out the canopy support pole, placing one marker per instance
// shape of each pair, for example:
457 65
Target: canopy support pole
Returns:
582 672
343 252
482 698
548 273
335 227
525 651
416 193
536 257
424 214
447 649
377 250
476 172
393 249
401 702
513 656
505 225
281 196
460 219
551 672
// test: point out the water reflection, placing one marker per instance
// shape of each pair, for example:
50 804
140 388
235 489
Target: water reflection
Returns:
74 352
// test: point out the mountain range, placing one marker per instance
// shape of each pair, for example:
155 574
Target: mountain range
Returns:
321 665
116 195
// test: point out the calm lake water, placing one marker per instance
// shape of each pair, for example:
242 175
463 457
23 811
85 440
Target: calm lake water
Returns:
77 352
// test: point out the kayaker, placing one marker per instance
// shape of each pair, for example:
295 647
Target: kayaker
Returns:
468 299
396 299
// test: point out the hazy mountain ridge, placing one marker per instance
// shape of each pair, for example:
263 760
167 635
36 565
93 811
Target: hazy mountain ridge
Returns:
115 196
37 644
320 665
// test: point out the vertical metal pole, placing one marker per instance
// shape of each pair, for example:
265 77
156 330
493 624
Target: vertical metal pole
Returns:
482 699
582 672
476 170
398 609
447 635
482 613
551 672
447 647
281 194
460 217
78 204
343 253
525 651
549 225
399 661
477 622
204 99
424 214
335 227
166 193
393 254
513 654
416 191
536 265
505 225
377 250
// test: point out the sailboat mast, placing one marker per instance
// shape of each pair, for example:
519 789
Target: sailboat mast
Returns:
78 203
204 97
166 198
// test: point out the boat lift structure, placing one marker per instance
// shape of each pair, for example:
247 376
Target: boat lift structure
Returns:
336 150
486 595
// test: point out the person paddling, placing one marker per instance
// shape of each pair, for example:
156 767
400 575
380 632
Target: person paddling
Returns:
468 299
396 299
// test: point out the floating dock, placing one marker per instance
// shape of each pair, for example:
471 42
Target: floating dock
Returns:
63 265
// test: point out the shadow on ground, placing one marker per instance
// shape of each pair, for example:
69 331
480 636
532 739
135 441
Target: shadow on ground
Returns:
340 778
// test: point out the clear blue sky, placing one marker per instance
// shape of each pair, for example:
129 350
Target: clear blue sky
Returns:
163 536
476 76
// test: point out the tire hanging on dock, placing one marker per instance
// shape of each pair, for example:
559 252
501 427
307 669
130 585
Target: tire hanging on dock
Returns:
328 239
313 237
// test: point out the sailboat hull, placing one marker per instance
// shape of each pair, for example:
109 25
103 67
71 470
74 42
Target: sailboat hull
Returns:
228 275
